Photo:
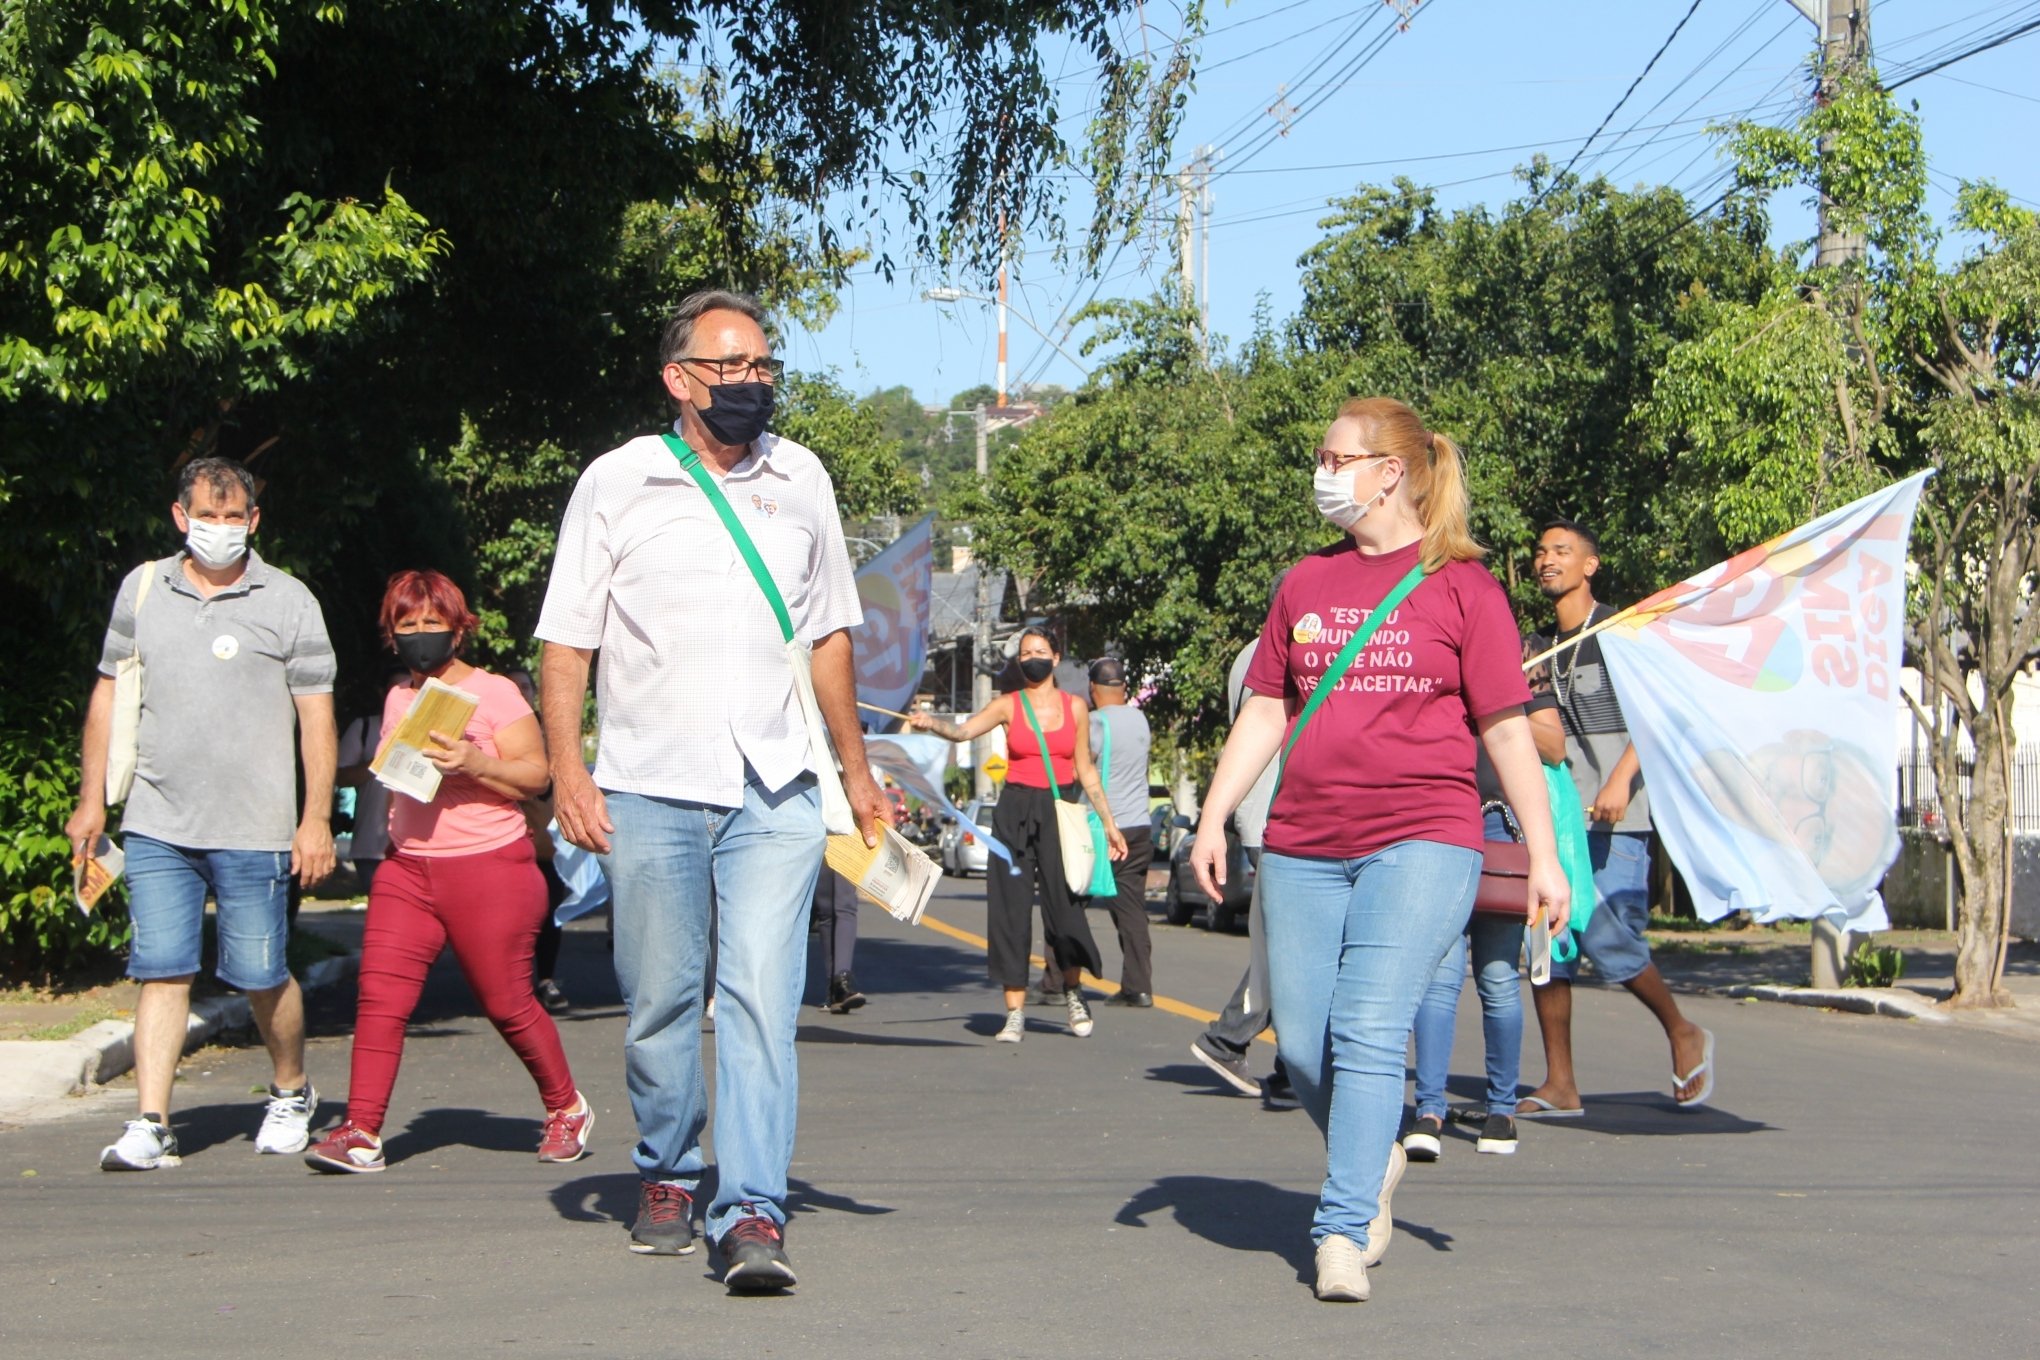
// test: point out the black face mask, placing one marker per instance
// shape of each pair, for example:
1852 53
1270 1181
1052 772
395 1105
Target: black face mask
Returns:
740 414
1036 669
425 652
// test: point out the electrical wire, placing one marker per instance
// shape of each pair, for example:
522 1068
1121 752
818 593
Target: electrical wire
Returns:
1662 48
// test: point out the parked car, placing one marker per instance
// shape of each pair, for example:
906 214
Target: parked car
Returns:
1185 899
962 853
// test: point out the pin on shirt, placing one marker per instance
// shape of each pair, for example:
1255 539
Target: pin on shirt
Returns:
226 646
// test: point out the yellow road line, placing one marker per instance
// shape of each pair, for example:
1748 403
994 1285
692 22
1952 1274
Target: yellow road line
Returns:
1162 1003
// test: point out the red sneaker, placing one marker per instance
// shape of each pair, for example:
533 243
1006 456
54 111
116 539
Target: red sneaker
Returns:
566 1132
347 1148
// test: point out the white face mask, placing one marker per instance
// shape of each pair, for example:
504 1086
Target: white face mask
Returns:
1334 494
217 546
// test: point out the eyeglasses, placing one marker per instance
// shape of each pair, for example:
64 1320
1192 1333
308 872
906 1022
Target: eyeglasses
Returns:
737 370
1332 461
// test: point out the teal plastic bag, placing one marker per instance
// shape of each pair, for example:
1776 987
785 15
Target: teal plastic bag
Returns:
1103 882
1569 825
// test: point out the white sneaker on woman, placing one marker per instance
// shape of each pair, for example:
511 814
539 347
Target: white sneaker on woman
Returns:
1014 1030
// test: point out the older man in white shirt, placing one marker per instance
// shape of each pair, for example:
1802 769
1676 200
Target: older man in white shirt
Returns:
702 797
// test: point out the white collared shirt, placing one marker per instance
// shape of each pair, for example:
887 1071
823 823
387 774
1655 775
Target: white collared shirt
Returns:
692 681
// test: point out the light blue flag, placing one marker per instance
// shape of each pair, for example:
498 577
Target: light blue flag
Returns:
915 762
1763 699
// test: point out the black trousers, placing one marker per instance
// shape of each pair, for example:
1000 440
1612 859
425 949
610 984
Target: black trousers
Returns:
1024 819
834 920
1129 910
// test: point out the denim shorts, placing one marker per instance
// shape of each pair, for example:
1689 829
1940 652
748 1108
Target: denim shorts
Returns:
1614 937
167 887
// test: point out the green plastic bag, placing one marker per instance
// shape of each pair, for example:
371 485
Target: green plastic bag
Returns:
1569 826
1103 881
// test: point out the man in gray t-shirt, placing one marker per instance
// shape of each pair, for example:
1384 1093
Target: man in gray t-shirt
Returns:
236 683
1126 793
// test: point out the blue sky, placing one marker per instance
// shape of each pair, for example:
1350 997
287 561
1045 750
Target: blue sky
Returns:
1470 90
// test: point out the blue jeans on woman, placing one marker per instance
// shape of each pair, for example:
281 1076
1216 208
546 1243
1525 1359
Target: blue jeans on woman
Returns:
1497 943
1351 945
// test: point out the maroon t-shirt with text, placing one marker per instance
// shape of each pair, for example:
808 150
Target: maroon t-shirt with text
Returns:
1389 757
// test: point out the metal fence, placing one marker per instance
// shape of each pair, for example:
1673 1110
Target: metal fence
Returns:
1919 797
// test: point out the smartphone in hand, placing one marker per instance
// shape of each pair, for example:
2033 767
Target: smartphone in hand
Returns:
1538 941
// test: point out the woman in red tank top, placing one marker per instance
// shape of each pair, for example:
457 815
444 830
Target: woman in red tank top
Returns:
1025 821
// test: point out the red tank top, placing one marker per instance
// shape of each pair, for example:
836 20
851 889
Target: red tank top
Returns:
1023 749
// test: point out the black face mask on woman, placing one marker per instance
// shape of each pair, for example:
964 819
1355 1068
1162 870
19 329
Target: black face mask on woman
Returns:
425 652
1036 669
740 413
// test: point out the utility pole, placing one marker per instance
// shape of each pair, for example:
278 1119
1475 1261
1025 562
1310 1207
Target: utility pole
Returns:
1193 207
981 643
1002 330
1843 27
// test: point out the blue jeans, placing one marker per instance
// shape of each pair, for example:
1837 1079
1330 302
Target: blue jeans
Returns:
167 886
1497 943
1351 945
1614 937
671 863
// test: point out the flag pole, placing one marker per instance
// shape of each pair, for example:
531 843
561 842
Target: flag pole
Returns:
889 712
1585 633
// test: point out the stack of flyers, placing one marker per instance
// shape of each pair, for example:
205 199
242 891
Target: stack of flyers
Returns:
94 873
401 764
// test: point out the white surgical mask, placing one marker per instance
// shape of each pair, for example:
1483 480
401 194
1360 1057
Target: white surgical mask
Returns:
1334 494
217 546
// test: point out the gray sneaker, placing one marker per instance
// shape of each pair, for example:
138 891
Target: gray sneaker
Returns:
144 1145
1080 1013
1229 1066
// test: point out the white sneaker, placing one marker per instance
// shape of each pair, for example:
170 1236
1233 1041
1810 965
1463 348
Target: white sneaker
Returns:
1341 1271
1014 1030
1080 1014
287 1121
1383 1226
143 1145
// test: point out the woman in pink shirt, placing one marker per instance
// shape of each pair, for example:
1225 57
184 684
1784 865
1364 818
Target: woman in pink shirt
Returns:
1372 851
459 871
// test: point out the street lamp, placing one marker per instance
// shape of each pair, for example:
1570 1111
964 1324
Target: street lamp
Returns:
961 295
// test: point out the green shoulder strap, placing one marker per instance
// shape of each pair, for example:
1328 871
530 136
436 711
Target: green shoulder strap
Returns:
1105 764
1047 761
1343 662
691 461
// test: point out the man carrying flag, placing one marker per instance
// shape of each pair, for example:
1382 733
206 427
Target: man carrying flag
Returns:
1606 771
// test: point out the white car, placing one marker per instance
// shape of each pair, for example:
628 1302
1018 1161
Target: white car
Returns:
962 853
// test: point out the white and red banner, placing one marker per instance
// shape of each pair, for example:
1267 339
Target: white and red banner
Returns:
1761 697
895 589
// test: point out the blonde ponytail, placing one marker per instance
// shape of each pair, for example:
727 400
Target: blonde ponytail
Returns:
1436 473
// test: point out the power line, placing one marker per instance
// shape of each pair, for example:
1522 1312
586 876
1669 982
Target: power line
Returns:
1662 47
1998 41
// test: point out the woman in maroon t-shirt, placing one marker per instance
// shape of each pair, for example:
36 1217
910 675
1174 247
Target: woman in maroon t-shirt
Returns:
1024 820
1372 851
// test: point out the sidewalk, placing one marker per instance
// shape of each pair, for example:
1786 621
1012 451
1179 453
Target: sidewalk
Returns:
34 1072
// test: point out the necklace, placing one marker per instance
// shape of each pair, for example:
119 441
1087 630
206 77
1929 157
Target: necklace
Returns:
1561 679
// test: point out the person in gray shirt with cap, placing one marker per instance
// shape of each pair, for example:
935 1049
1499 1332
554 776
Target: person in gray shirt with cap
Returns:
1120 739
235 663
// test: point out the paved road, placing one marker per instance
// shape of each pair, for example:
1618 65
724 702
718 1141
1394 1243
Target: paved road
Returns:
1863 1187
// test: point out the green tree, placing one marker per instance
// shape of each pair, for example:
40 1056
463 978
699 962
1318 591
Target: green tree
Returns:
1840 377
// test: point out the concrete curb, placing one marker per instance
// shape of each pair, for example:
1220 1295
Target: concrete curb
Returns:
41 1069
1901 1005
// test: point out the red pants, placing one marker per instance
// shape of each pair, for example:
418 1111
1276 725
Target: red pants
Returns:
489 907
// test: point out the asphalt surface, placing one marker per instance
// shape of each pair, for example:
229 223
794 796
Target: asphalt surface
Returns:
1861 1187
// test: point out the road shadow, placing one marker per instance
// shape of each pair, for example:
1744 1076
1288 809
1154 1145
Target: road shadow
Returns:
1651 1114
1196 1079
433 1129
1239 1215
210 1126
613 1198
824 1034
917 964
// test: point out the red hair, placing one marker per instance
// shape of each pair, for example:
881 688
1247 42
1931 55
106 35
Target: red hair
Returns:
410 591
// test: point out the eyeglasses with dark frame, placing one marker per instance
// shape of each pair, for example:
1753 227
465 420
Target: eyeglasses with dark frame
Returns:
737 370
